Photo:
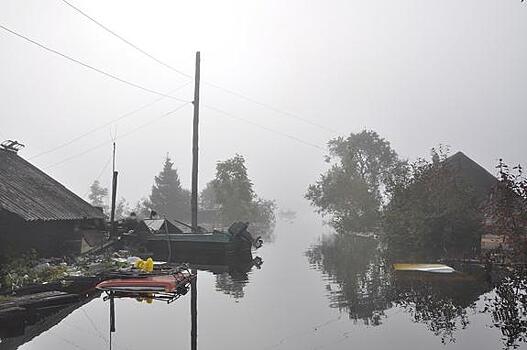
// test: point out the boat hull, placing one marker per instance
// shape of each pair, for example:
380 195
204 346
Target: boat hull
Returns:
160 246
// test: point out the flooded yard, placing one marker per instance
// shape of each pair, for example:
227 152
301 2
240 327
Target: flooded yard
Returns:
305 295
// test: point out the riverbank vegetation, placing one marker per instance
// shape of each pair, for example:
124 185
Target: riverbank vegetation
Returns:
435 208
432 212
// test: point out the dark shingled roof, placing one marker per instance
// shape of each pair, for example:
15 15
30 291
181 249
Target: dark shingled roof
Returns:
29 193
474 174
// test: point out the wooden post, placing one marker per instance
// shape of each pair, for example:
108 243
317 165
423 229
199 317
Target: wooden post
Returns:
195 149
194 312
194 206
112 314
112 213
114 193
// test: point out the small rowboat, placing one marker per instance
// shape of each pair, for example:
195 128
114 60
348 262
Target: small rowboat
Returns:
173 283
432 268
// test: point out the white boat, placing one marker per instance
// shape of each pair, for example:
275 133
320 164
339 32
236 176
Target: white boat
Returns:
433 268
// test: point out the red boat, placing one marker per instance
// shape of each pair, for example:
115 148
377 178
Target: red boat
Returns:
173 283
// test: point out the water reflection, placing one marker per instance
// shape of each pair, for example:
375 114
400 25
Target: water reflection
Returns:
360 281
231 273
508 307
440 301
22 328
386 310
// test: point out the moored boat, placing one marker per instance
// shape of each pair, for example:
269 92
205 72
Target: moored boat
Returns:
236 240
166 287
430 268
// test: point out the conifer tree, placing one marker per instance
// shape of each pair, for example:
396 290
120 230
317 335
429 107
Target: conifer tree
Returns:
97 195
168 198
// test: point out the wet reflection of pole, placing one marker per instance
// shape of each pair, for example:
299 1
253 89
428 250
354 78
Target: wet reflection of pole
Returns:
112 318
194 311
112 314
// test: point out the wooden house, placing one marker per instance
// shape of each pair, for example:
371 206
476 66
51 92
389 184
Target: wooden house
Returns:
37 212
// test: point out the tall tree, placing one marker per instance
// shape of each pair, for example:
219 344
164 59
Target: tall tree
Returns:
233 189
168 197
364 169
232 193
98 195
208 198
142 208
122 209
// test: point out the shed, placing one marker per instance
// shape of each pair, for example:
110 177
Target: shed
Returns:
157 226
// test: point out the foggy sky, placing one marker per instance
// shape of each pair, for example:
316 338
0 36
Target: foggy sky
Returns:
418 72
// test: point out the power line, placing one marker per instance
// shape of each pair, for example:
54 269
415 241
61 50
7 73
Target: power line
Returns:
274 109
307 143
125 40
119 137
91 131
100 71
229 91
100 173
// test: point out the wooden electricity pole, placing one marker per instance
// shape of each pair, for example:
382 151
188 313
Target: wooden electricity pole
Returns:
194 207
195 149
114 194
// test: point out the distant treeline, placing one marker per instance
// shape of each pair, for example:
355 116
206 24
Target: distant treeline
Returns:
230 196
420 208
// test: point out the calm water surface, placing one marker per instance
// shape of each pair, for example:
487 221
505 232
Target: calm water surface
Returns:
308 294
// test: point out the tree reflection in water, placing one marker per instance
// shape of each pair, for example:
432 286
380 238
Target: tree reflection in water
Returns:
508 307
355 264
232 284
441 302
367 286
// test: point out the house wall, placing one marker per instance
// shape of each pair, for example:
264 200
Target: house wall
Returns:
48 238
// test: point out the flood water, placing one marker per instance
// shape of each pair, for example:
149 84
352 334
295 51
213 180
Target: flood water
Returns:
308 294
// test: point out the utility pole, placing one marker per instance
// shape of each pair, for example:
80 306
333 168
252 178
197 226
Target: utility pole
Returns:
195 149
194 312
194 206
114 193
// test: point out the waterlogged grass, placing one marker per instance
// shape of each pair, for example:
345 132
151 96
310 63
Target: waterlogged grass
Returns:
4 298
26 270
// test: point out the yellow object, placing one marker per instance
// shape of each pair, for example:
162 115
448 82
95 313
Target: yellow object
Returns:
435 268
148 298
147 266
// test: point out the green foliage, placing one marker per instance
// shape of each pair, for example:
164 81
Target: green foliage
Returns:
5 298
433 212
506 210
364 169
207 197
232 193
24 271
98 195
168 197
233 189
122 208
142 208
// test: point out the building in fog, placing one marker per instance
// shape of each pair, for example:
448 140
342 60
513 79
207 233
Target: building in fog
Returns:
474 175
37 212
